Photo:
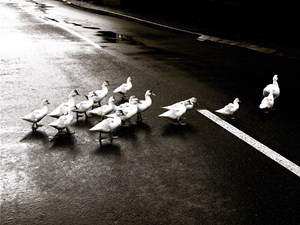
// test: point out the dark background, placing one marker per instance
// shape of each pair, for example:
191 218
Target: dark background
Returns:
232 18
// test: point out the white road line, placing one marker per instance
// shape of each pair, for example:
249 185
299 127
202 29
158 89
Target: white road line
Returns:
51 21
254 143
60 24
240 44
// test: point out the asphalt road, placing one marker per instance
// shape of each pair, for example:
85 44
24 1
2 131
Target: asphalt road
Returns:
155 172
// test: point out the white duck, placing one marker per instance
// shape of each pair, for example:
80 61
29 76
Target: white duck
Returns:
125 104
63 122
130 111
272 87
108 125
83 106
176 112
267 103
63 107
100 94
229 109
124 88
37 115
143 105
104 109
191 102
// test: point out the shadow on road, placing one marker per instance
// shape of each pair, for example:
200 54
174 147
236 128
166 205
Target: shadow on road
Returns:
34 136
178 130
64 141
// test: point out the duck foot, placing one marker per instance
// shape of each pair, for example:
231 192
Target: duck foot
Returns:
35 126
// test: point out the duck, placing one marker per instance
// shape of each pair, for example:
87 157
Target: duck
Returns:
83 106
190 104
99 95
104 109
124 88
129 109
125 104
176 112
37 115
63 107
267 103
230 108
272 87
64 121
143 105
108 125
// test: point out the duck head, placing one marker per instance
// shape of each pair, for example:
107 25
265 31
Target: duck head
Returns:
45 102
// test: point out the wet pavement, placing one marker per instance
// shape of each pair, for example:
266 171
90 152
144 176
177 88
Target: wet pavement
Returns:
262 41
155 172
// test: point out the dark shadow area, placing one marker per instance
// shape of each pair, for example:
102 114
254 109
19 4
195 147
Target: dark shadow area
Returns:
234 19
177 130
36 136
143 127
107 149
63 140
127 130
84 123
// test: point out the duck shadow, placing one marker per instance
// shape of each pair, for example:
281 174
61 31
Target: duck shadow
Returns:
107 148
128 130
177 130
265 115
63 140
37 135
83 123
143 127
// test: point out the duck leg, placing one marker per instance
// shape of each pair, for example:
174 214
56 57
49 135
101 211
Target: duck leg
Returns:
181 123
69 131
100 138
78 114
140 118
112 137
34 127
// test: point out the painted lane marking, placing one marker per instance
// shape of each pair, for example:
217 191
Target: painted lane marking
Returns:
29 8
240 44
60 24
254 143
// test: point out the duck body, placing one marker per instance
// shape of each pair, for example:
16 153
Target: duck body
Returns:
84 106
99 95
130 111
124 88
63 107
143 105
108 125
273 87
63 122
267 103
176 112
230 108
37 115
190 104
104 109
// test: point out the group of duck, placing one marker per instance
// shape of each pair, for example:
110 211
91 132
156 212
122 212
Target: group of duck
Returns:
113 116
270 93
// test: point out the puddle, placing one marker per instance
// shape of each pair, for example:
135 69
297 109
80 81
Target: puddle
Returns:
92 28
112 37
42 7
